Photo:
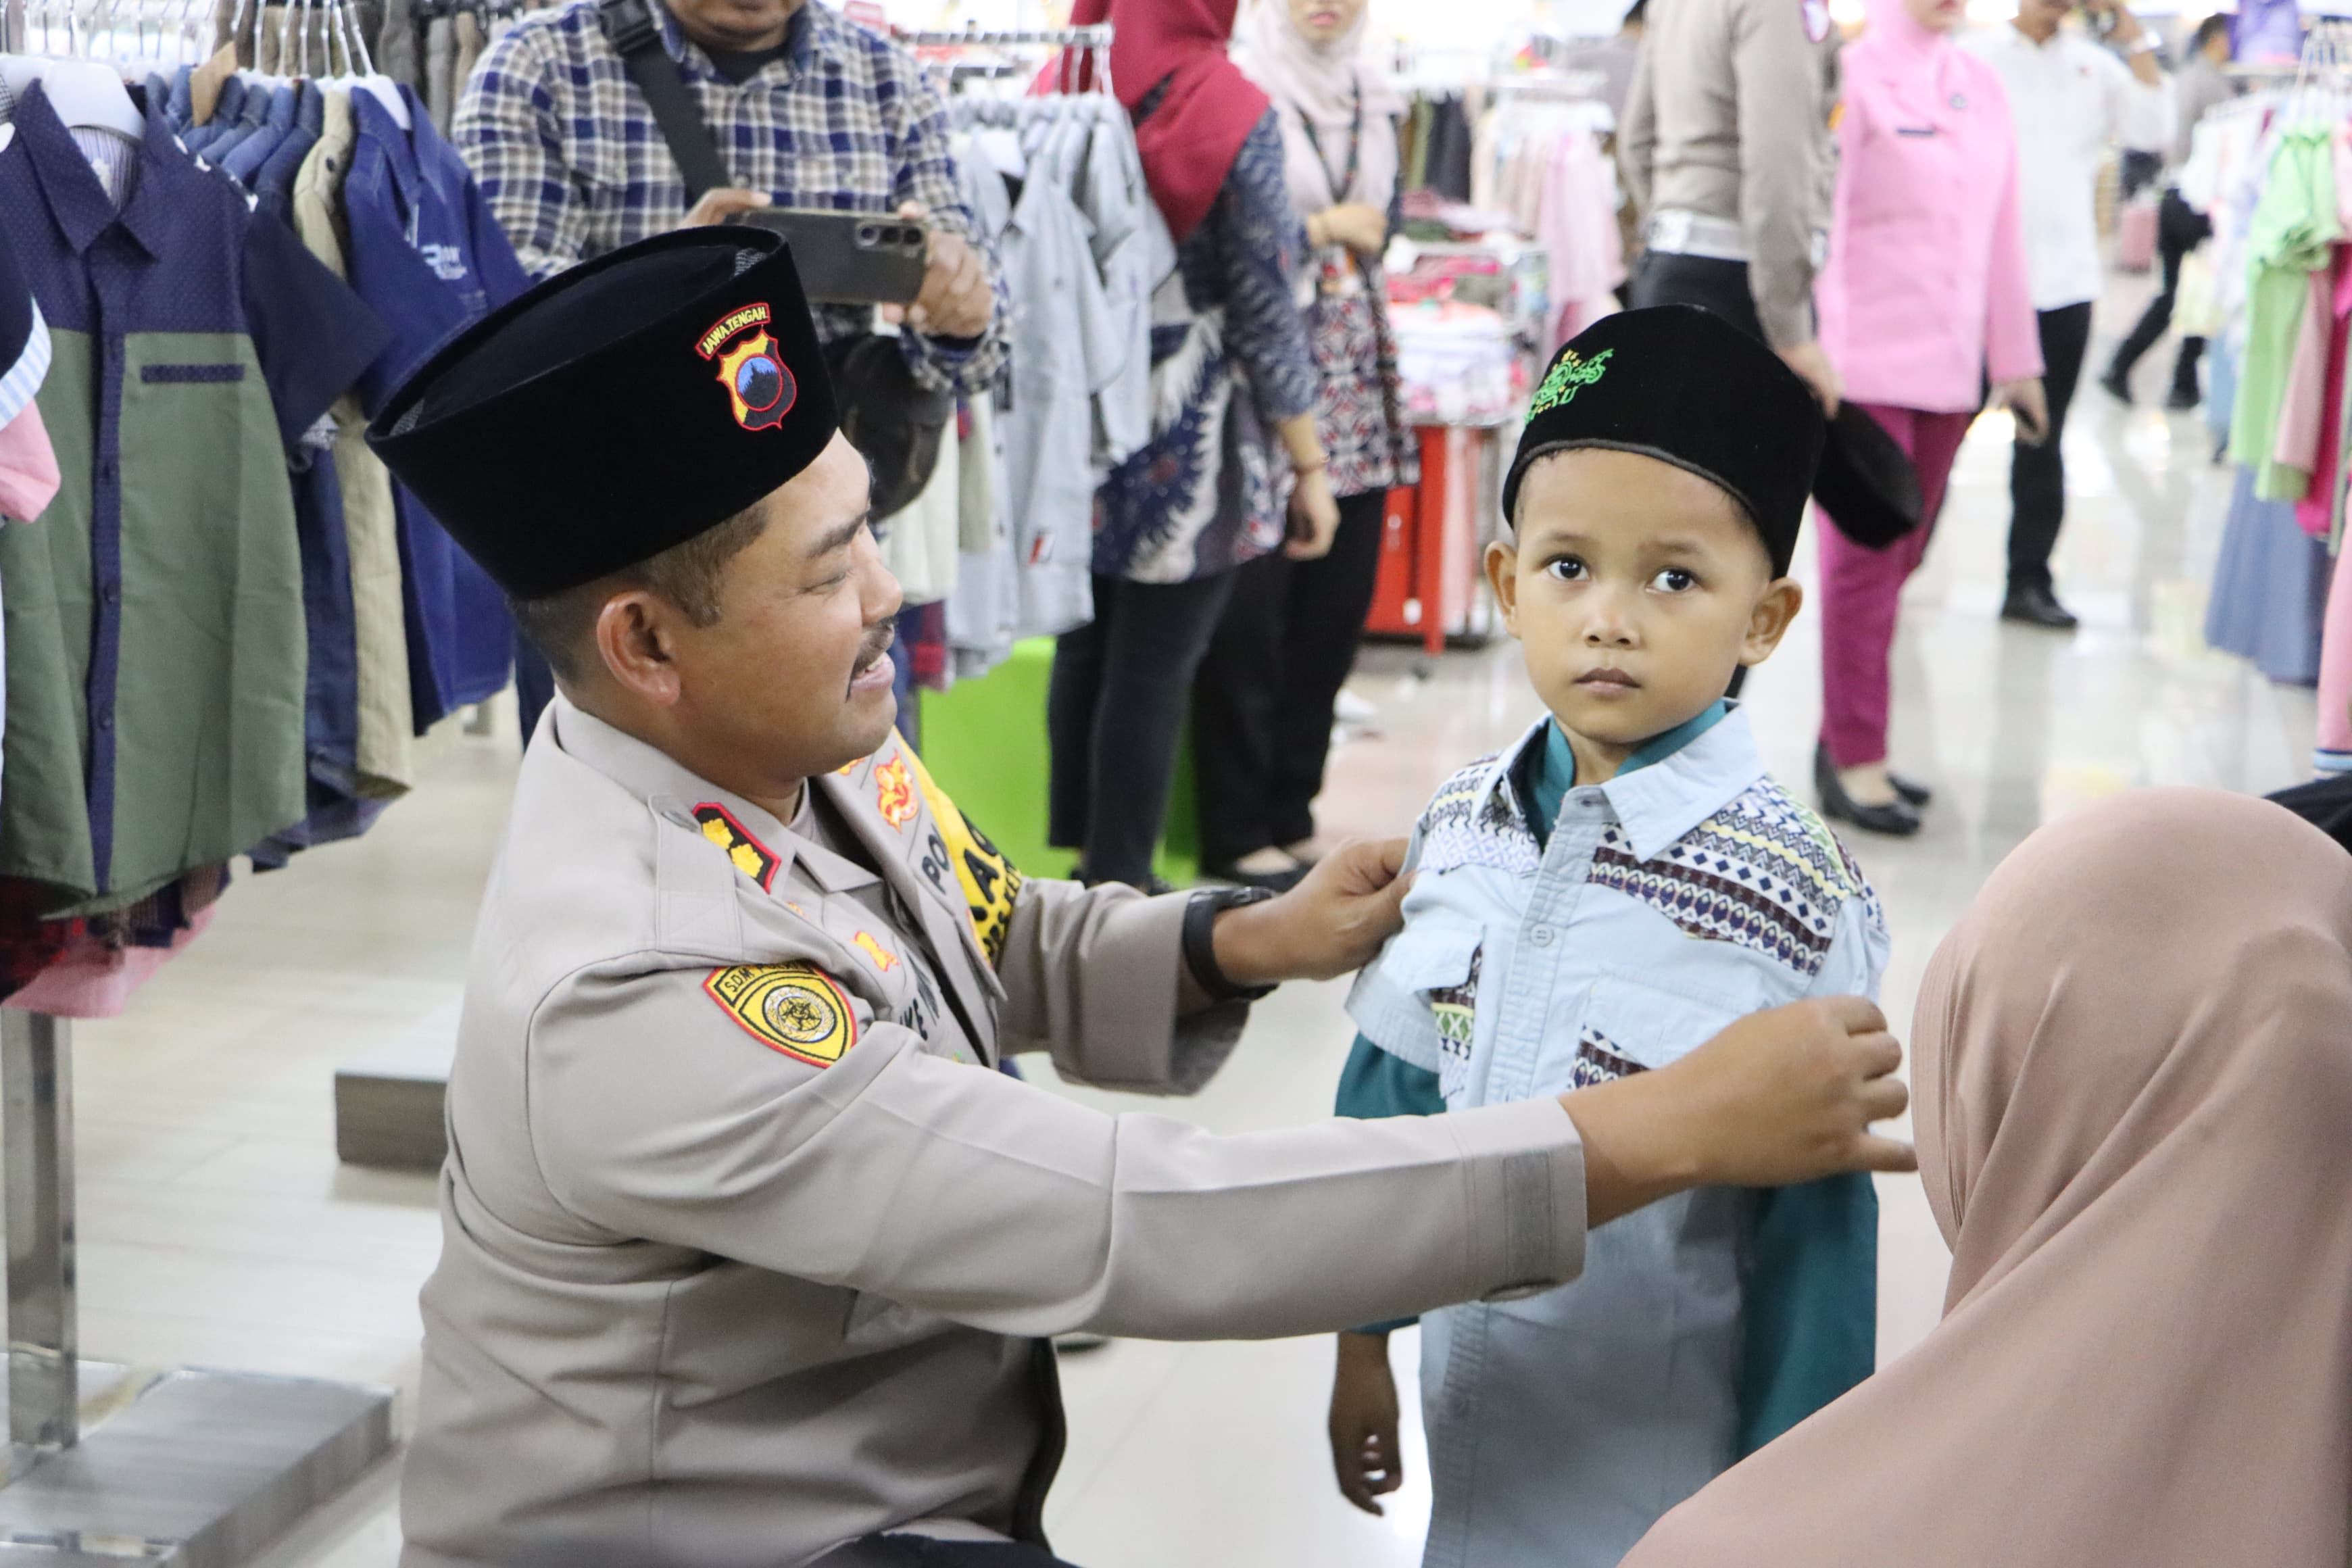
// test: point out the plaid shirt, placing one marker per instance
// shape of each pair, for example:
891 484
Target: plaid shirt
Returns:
573 163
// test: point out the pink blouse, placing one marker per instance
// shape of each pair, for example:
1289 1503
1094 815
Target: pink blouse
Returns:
1926 284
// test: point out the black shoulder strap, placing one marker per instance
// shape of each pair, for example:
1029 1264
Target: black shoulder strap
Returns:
637 37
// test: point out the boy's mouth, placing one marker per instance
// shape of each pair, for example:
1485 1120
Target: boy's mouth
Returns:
1607 682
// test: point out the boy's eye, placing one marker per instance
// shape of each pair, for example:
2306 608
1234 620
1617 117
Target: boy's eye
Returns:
1568 569
1674 580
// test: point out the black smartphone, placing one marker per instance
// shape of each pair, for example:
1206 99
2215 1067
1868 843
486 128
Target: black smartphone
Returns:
849 258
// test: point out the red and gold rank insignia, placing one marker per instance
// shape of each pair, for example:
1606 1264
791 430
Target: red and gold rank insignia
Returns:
883 959
793 1008
752 858
758 386
894 793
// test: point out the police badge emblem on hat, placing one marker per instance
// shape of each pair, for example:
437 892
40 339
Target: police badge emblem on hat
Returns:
758 386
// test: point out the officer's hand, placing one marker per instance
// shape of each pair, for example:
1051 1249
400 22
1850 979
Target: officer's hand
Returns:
1808 360
719 205
1777 1097
1364 1420
956 301
1332 923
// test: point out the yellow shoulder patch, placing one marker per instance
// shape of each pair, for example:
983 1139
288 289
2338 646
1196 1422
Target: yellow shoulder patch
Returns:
990 883
793 1008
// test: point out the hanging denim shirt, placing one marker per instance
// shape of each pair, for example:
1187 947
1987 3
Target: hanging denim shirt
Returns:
1660 907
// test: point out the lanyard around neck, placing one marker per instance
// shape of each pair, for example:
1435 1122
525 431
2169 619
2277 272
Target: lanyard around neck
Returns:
1355 146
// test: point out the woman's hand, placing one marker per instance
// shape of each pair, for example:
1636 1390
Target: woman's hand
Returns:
2025 400
1364 1420
1362 229
1314 517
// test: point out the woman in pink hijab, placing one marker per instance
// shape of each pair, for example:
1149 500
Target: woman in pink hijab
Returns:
1924 295
2132 1089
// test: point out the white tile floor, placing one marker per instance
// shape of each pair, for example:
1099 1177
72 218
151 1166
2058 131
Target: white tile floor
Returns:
218 1229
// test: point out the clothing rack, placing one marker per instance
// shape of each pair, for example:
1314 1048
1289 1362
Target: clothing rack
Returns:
179 1469
1094 38
1091 45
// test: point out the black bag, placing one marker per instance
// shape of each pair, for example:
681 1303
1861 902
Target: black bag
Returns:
1866 483
895 425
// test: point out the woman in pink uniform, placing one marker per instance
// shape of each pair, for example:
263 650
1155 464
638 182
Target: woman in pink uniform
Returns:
1924 296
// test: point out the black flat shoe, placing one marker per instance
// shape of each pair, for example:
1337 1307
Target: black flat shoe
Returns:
1898 818
2117 387
2183 399
1919 795
2038 608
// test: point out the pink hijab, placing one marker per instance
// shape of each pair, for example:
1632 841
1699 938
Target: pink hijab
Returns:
2134 1081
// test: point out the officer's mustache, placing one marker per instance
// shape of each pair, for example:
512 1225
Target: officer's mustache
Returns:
877 643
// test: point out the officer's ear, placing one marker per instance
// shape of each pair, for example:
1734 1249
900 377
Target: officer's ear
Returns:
633 642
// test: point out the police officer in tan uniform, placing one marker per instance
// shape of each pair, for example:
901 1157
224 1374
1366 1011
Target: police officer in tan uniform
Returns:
750 1260
1728 151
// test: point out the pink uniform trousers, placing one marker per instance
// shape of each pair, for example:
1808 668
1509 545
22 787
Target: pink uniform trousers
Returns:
1861 589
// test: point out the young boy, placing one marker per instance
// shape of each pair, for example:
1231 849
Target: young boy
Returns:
1595 900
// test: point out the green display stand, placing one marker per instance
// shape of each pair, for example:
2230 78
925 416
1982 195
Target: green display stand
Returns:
984 741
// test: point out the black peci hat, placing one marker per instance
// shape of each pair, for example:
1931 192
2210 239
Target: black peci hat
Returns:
617 409
1679 385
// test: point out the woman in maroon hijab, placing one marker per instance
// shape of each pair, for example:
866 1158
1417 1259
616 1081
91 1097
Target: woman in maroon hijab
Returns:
1234 467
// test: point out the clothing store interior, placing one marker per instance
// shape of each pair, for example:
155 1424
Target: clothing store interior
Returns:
1194 401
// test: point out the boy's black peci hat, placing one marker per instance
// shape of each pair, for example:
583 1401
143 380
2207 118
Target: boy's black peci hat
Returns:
1685 387
617 409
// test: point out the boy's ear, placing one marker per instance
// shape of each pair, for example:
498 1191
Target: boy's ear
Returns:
1770 622
1503 576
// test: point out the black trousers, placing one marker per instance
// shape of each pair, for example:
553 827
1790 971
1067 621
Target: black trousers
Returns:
1113 714
1666 278
2037 475
1262 703
2179 229
917 1552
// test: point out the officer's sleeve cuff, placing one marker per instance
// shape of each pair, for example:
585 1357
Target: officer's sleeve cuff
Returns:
1525 1166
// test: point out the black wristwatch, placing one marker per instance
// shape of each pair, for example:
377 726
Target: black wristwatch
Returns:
1200 944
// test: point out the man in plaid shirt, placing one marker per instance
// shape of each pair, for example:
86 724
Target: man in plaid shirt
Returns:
809 110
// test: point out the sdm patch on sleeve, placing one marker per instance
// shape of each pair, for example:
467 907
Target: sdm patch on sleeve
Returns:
793 1008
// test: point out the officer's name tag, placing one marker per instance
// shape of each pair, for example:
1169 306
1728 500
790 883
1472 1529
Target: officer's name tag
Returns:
793 1008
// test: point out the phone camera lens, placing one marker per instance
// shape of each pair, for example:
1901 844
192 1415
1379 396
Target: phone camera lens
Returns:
867 233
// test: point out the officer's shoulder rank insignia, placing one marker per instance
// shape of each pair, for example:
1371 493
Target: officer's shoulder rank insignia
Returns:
793 1008
752 858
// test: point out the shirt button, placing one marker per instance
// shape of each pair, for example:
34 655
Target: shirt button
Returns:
105 720
1541 936
110 594
106 468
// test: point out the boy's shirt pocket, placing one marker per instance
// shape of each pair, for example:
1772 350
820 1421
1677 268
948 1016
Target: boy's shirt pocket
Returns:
1631 1025
1419 1001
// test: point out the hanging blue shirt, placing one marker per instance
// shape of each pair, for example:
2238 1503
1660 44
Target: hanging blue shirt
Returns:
245 161
427 255
1558 936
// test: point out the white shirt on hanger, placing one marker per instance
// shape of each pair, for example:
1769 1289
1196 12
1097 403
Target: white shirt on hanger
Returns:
2071 100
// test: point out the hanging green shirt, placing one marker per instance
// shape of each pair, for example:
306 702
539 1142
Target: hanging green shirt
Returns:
2294 228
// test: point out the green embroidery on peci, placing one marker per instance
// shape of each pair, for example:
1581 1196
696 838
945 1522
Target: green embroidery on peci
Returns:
1570 376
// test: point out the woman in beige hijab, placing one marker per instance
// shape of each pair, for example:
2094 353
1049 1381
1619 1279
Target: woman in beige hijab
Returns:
2134 1090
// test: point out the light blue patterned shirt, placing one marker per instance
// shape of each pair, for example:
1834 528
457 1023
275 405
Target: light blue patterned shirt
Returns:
1661 906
